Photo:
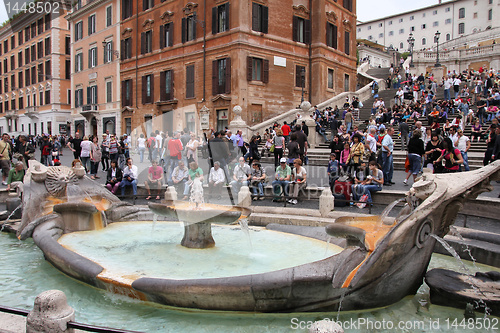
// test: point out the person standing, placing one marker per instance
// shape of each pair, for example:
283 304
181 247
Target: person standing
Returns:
404 130
141 147
95 157
26 150
5 152
151 143
462 143
175 149
415 152
387 158
348 119
285 129
77 148
86 147
45 147
105 152
279 146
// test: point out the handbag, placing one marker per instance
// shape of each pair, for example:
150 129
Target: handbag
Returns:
272 148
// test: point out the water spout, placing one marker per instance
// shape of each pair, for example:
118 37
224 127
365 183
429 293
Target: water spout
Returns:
244 227
389 208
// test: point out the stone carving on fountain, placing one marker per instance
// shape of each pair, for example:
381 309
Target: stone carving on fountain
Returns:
385 258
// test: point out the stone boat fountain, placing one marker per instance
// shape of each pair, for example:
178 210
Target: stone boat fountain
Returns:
385 259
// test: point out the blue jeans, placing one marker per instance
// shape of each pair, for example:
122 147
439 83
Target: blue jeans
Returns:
236 185
349 125
126 182
387 167
466 161
359 190
447 96
141 154
280 186
258 186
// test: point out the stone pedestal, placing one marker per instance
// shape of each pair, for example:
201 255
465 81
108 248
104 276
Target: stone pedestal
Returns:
326 204
438 73
51 313
238 124
198 235
244 197
171 194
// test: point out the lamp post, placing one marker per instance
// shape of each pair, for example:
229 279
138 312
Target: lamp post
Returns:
411 43
302 82
436 39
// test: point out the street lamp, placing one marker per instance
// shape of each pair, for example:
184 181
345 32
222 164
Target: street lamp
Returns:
436 39
411 43
302 82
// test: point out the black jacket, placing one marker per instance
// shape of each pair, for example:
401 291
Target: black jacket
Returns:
119 175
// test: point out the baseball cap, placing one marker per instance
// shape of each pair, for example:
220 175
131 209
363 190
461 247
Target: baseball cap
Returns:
283 160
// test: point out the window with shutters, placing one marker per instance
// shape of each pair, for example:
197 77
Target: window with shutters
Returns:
47 96
12 42
67 69
127 8
126 48
346 82
166 35
27 34
127 93
20 79
40 26
108 52
260 17
109 16
147 89
78 97
330 78
301 30
109 91
348 5
220 18
93 57
78 62
331 35
257 69
20 37
33 52
78 30
27 77
490 14
41 102
92 95
300 76
21 103
92 22
48 70
13 82
5 46
189 28
12 62
67 45
147 4
167 85
39 49
48 21
190 81
221 76
41 76
146 42
5 68
47 46
33 75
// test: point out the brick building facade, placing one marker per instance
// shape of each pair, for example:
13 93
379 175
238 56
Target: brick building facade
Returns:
179 56
34 74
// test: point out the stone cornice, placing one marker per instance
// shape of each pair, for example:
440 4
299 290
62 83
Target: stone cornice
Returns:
75 15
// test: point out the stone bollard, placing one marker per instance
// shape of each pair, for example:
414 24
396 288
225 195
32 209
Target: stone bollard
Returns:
244 197
326 326
326 202
51 314
170 194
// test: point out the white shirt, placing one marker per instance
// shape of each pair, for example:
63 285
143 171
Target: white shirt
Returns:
132 172
372 143
462 143
159 141
141 143
447 83
216 176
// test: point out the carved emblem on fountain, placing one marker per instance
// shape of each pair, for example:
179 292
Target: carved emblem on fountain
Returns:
58 179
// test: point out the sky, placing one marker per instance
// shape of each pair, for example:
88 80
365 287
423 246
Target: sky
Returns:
368 10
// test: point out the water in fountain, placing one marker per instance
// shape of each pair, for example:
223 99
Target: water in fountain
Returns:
75 193
197 192
467 272
244 226
388 209
467 248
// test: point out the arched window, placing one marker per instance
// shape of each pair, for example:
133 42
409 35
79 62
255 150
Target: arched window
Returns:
461 13
461 28
448 37
401 45
424 41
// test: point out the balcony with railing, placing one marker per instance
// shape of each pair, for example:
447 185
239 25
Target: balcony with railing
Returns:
31 111
89 111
